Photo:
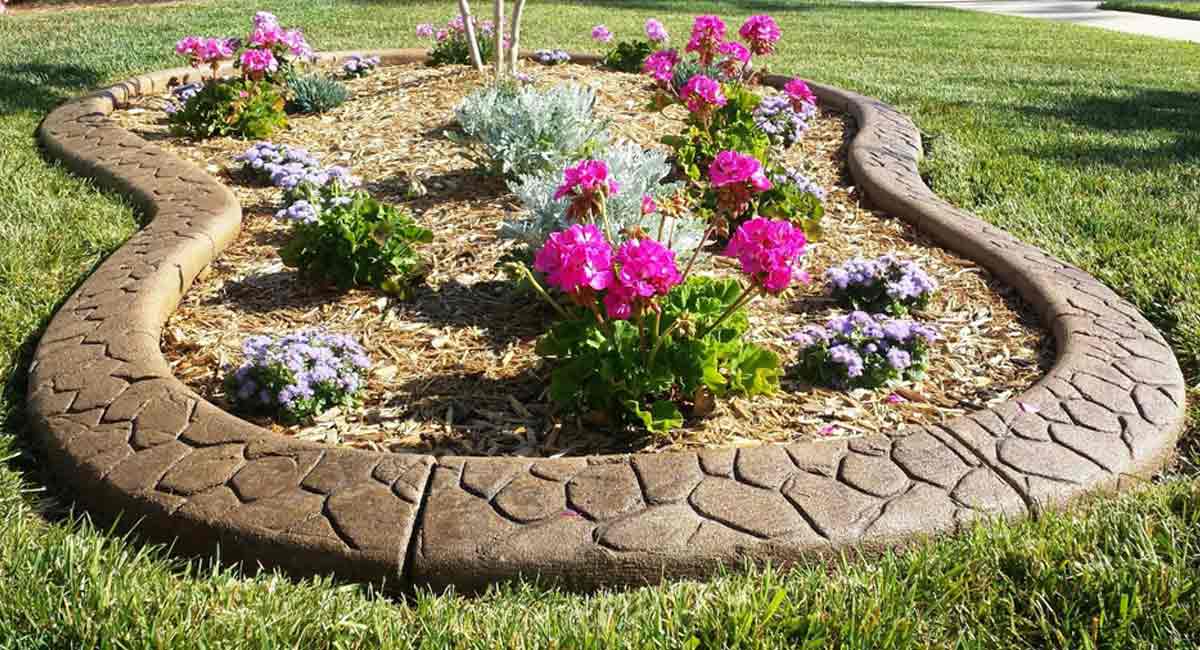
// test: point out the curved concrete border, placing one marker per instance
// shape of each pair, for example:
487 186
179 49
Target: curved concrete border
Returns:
132 441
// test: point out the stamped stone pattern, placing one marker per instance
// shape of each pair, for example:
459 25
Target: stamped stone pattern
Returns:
132 442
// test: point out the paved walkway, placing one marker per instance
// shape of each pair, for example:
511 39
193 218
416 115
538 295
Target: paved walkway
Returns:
1080 12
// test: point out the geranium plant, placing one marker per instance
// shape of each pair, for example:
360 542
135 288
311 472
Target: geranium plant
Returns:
299 375
627 56
861 350
640 339
452 44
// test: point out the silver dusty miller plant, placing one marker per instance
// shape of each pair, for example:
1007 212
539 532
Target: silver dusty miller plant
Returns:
520 130
638 172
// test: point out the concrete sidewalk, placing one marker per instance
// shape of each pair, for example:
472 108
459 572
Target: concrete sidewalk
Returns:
1079 12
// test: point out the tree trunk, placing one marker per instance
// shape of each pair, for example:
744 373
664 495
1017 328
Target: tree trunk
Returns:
499 49
515 51
464 10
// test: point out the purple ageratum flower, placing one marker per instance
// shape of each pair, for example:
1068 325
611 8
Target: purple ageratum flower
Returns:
577 260
885 283
302 373
551 57
776 116
761 33
864 350
600 34
425 30
789 176
358 65
655 31
299 212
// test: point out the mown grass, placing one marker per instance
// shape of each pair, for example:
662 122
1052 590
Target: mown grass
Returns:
1189 9
1082 141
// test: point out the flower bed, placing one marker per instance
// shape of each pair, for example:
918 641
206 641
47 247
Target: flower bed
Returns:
455 368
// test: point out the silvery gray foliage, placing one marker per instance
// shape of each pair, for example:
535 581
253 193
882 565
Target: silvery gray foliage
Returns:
517 130
638 171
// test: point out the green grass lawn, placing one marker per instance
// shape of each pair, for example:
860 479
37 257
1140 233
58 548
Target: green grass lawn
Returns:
1085 142
1171 8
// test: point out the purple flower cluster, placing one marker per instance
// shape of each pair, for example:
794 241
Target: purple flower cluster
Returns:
181 94
861 350
290 168
300 212
778 118
357 65
299 375
551 57
886 283
793 177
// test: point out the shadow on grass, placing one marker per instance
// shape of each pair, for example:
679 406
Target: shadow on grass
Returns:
41 86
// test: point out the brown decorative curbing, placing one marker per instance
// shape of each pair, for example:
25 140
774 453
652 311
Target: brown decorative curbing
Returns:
132 442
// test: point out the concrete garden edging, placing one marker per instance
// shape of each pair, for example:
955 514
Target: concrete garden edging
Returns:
132 442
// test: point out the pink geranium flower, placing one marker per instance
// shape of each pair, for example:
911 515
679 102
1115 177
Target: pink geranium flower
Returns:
702 94
761 33
707 34
648 204
730 167
735 51
577 260
588 184
800 94
655 31
769 251
256 63
600 34
644 269
661 65
737 178
200 49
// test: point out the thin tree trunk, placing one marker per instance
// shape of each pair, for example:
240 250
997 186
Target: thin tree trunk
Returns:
499 49
515 51
464 10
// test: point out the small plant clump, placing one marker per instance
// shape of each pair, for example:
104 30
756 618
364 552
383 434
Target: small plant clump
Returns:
885 284
552 57
315 93
451 45
339 234
860 350
298 375
357 65
513 130
354 240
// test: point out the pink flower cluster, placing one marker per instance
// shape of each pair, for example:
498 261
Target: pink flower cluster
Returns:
587 183
644 269
600 34
655 31
702 94
731 167
580 262
200 49
268 34
577 260
256 63
707 34
769 251
761 33
585 179
737 178
661 66
800 94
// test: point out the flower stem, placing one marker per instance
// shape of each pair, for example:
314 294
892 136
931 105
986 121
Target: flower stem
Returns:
747 295
524 270
696 253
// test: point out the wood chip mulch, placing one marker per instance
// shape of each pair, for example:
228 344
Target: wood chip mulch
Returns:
455 371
